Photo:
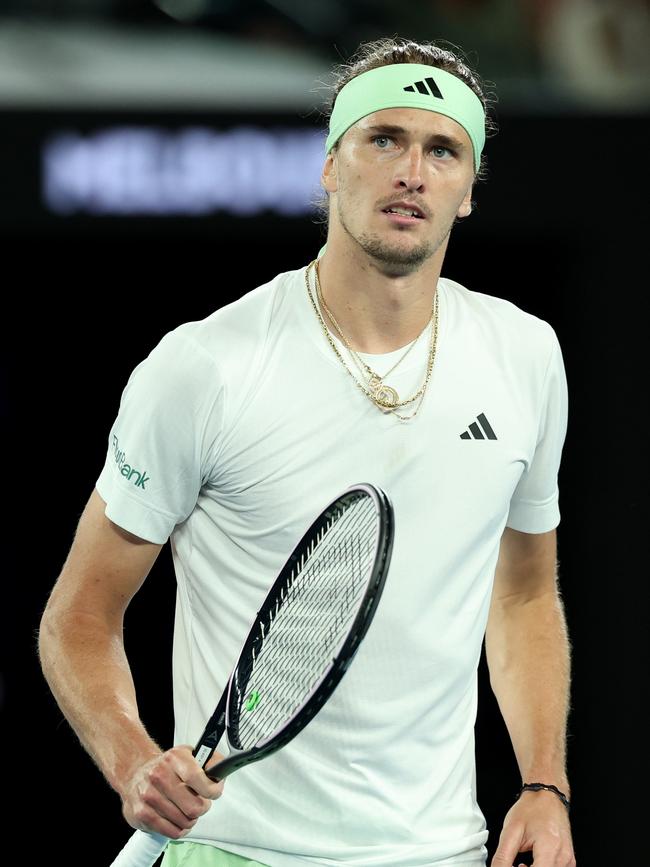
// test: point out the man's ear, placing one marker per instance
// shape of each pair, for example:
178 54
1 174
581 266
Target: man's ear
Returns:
328 178
465 207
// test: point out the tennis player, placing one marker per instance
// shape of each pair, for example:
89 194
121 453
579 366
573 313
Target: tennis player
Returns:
363 365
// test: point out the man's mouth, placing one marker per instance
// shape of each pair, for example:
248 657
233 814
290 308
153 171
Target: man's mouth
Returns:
404 212
403 216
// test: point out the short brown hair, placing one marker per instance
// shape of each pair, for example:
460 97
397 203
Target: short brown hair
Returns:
396 49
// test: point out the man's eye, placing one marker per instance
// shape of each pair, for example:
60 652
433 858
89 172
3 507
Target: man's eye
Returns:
441 148
381 138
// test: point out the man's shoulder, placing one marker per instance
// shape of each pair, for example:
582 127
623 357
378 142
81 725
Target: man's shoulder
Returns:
240 325
499 314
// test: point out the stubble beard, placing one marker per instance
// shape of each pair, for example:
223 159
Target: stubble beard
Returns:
395 260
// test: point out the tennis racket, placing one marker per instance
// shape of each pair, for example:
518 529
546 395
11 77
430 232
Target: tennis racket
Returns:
302 640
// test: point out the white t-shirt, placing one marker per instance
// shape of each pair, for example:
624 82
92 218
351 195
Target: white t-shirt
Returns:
231 436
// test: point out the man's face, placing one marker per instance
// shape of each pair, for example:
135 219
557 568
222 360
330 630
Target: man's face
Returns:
396 155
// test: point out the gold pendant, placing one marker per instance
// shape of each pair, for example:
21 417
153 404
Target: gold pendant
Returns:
384 395
387 397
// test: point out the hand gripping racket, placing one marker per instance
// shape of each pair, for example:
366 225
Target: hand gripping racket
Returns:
302 640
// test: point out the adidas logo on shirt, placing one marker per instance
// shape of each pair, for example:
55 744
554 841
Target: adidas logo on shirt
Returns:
431 90
479 430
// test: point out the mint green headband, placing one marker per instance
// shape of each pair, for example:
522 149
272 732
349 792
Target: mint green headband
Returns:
409 85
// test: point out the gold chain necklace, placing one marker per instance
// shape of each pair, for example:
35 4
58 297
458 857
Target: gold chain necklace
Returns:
378 399
376 384
387 397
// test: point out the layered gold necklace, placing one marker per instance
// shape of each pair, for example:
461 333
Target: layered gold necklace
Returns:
383 396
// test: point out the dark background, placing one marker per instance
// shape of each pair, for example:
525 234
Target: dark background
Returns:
558 229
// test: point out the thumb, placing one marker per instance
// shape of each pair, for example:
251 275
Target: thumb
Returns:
215 785
212 761
507 849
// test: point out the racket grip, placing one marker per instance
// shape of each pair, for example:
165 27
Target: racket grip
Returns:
141 850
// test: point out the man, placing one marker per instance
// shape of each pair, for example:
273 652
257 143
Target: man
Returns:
233 433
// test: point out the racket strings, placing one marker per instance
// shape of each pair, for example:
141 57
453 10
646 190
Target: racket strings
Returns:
317 603
306 626
309 642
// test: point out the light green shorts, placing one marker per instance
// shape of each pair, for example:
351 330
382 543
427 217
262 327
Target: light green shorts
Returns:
185 853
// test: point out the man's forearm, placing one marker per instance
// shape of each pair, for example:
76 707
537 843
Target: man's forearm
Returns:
85 665
528 654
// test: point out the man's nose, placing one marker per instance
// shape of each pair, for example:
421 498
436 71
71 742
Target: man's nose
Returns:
409 173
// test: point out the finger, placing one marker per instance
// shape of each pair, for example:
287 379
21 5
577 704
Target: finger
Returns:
146 818
214 760
168 794
547 853
192 774
155 804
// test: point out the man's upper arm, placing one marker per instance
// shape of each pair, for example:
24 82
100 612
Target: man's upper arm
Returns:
105 567
526 568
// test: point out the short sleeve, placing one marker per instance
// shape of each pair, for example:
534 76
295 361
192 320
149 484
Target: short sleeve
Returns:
534 507
165 440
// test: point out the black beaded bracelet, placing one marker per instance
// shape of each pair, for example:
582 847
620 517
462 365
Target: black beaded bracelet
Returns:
535 787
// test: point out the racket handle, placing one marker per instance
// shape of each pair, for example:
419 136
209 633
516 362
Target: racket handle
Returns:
141 850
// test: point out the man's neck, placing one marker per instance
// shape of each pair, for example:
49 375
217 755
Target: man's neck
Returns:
376 311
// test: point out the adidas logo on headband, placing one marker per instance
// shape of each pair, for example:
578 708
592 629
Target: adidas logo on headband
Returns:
433 89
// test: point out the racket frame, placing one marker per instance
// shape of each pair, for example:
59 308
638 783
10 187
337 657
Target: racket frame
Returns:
320 693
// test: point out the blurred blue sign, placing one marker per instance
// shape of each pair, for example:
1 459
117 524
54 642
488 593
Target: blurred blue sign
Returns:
194 170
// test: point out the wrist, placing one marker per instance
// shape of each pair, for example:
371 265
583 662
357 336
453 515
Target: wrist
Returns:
551 773
538 786
126 756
